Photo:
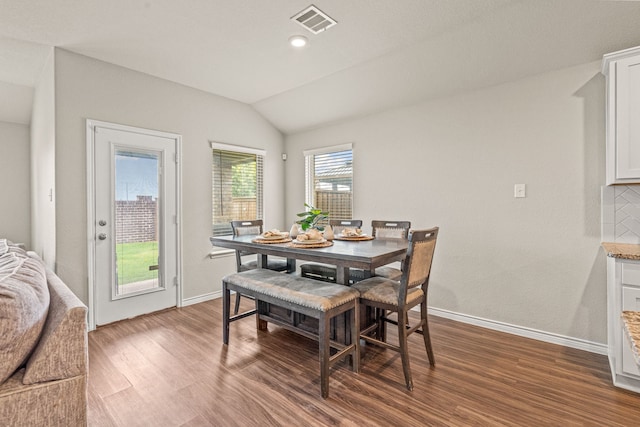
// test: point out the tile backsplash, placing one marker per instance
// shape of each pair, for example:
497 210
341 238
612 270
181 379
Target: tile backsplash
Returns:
621 213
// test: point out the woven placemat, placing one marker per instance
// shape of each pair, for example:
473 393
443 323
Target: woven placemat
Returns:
324 244
632 328
353 238
267 241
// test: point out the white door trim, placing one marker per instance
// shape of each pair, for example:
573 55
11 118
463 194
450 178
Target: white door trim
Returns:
91 125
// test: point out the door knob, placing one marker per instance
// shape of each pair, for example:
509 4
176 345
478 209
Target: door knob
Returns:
102 222
102 236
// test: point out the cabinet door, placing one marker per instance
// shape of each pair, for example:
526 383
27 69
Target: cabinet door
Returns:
627 125
630 302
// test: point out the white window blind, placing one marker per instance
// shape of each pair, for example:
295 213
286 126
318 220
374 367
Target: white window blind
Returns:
237 187
329 180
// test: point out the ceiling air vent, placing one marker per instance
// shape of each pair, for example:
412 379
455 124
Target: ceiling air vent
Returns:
314 20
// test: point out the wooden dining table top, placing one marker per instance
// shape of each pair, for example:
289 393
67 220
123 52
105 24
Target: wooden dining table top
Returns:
363 254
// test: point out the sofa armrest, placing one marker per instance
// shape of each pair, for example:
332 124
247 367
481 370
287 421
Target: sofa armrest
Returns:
52 403
62 351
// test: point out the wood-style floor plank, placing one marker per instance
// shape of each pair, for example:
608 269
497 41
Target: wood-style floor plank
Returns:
171 369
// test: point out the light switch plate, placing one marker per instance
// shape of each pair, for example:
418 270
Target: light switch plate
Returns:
519 190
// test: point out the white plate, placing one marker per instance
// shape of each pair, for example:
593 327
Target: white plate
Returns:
310 242
275 237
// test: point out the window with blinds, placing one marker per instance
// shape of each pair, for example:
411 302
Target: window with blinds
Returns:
329 180
237 186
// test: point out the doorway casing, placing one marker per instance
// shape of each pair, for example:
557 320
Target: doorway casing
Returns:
91 125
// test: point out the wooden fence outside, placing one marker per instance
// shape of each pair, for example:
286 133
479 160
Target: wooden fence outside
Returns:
337 203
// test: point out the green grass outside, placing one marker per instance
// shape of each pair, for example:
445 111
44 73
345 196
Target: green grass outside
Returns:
134 260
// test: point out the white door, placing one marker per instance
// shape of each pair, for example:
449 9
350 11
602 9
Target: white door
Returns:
134 221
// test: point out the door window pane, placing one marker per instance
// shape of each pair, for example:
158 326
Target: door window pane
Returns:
136 231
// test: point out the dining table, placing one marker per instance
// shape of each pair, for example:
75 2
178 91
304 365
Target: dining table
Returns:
344 254
361 253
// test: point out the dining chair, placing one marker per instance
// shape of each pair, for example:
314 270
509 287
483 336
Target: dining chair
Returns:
387 296
385 230
248 227
325 272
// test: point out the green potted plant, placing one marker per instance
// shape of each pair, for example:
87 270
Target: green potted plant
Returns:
311 218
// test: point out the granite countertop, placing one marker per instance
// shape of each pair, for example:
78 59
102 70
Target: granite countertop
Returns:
622 250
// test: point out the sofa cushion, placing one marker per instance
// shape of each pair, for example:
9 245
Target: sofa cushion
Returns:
9 263
8 246
24 303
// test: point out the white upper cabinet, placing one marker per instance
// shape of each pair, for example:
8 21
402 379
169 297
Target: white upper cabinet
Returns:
622 70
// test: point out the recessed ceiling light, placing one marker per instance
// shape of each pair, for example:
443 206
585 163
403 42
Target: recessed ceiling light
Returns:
298 41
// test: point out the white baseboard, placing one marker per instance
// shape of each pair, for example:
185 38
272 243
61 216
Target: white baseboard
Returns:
201 298
522 331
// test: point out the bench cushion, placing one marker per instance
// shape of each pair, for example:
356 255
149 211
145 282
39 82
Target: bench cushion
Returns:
313 294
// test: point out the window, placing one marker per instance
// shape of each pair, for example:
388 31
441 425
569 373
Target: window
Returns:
329 180
236 175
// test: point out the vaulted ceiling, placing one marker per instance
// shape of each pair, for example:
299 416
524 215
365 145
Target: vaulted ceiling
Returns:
380 55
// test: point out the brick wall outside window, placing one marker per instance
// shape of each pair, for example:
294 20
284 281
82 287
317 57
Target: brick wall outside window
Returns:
136 220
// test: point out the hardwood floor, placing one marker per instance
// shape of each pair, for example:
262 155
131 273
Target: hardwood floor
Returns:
171 369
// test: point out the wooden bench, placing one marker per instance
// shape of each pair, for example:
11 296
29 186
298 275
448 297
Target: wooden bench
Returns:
319 300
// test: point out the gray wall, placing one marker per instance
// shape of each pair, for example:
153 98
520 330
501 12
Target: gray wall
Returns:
533 262
14 183
43 158
87 88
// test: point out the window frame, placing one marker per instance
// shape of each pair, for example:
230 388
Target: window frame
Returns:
309 172
238 149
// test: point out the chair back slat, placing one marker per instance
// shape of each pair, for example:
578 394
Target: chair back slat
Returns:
340 224
242 228
390 229
242 231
